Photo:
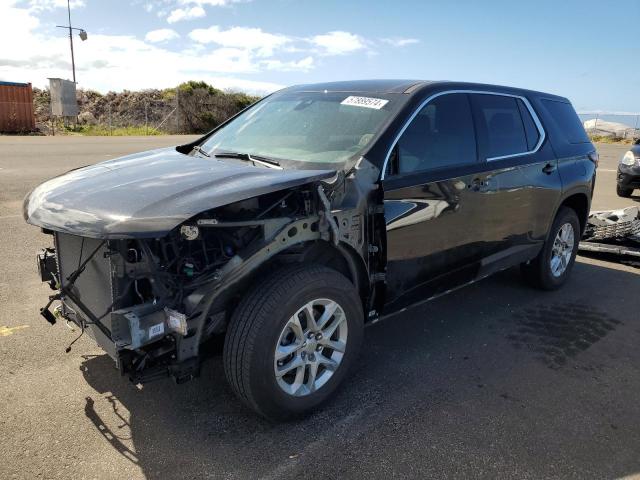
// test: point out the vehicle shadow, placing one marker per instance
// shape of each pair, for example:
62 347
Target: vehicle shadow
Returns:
491 361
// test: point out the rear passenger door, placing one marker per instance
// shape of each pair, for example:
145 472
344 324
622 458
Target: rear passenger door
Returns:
525 183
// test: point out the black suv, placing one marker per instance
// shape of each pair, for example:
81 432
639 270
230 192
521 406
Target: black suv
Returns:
314 211
629 171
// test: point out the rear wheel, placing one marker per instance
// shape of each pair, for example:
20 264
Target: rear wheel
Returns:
623 192
292 340
551 268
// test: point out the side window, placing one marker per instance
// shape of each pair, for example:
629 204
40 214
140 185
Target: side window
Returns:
501 130
567 119
441 135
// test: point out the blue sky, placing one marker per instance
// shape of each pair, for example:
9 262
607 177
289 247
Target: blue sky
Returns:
585 50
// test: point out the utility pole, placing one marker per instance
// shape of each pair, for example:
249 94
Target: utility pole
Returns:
82 34
73 62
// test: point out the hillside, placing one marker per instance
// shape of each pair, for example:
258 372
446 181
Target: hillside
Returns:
191 107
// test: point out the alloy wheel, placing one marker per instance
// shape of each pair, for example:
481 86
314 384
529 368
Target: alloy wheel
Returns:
562 250
310 347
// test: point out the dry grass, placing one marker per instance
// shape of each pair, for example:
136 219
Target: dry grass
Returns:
104 131
608 139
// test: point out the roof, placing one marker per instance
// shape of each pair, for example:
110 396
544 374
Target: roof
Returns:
13 84
410 87
364 86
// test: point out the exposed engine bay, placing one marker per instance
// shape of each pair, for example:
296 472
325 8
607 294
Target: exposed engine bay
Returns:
151 302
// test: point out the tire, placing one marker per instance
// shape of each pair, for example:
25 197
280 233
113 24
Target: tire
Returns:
265 321
623 192
540 272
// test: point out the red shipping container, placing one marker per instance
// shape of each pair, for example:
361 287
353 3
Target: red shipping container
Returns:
16 108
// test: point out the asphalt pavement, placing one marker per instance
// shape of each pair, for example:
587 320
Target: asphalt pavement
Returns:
493 381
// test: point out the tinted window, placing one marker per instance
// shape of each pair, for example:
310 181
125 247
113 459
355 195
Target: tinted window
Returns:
500 127
441 135
568 121
530 129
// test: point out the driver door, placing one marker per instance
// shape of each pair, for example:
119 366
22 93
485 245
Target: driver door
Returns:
433 200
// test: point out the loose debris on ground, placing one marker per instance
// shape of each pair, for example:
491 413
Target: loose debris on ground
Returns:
615 234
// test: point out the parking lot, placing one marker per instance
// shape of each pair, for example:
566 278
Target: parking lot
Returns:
495 380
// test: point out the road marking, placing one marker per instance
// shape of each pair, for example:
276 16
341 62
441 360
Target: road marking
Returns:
6 331
606 170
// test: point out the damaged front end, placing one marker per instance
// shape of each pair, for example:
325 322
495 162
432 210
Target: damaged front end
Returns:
151 302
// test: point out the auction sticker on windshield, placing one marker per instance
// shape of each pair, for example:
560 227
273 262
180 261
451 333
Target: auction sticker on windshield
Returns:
366 102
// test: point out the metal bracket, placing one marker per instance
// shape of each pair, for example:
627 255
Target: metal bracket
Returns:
327 215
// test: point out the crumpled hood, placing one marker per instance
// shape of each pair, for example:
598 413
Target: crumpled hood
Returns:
150 193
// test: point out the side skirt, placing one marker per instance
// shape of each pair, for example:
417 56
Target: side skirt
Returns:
453 281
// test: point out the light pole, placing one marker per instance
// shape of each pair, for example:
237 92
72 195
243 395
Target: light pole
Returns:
82 35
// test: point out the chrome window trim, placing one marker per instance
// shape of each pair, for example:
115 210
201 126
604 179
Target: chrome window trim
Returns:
532 112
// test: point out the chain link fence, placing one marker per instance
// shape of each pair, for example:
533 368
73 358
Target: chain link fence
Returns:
147 117
190 108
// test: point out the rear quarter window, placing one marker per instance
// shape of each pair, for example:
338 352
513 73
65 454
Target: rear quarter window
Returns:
567 120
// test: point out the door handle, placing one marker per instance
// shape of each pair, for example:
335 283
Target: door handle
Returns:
549 168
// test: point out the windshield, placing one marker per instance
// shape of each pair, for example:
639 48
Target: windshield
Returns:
315 127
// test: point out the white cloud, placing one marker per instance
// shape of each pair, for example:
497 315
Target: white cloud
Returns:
188 9
161 35
254 39
15 21
399 41
265 45
39 5
303 65
338 43
116 62
212 3
189 13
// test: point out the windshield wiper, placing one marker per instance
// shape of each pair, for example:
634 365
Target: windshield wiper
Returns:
200 150
267 162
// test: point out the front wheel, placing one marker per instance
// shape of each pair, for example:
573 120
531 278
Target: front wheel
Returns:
623 192
551 268
292 340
